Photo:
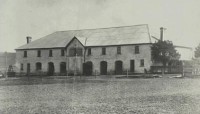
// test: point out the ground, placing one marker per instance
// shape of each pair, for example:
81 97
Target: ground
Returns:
90 95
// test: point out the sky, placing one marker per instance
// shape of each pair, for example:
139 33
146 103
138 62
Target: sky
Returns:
38 18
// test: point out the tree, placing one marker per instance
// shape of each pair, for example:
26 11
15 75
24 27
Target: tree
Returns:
197 51
164 52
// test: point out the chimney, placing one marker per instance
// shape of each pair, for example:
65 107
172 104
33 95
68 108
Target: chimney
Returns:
28 39
161 33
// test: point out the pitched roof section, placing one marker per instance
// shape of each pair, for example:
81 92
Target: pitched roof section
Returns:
135 34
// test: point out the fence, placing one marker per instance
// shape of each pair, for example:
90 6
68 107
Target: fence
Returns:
196 70
168 69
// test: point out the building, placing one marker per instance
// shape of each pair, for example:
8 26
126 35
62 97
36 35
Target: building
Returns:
114 50
196 66
185 52
6 59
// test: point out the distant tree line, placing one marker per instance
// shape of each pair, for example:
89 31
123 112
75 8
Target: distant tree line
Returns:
197 51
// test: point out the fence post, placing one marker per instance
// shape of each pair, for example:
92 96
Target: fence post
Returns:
183 72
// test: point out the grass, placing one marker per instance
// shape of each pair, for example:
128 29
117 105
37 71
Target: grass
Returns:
100 96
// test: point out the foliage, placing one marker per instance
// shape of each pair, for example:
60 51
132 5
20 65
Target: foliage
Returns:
197 51
164 52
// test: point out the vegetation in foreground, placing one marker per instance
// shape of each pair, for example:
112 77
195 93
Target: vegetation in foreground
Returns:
109 96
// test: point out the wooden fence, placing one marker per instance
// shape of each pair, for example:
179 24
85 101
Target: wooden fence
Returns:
168 69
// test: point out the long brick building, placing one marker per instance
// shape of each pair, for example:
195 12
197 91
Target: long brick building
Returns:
100 51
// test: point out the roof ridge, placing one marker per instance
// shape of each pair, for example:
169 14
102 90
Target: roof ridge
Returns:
103 28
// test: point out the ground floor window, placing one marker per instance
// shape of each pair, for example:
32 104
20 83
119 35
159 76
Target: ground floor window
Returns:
21 67
142 62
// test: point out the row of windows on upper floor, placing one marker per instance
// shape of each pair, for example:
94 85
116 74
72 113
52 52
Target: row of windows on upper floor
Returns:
79 51
50 53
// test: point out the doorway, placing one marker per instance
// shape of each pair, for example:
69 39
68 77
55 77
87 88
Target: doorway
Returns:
103 68
118 67
63 68
132 65
28 68
87 68
50 69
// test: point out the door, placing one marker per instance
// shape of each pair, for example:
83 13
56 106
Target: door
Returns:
103 67
50 69
28 68
63 68
132 65
118 67
87 68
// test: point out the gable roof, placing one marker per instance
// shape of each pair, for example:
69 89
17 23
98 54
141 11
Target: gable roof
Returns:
123 35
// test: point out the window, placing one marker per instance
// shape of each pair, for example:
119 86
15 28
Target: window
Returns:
89 51
21 67
142 62
72 52
38 53
118 50
62 52
137 50
25 53
103 51
50 53
75 52
79 51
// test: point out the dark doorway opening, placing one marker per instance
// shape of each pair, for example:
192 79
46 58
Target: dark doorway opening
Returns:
132 65
87 68
38 66
50 69
103 67
118 67
63 68
28 68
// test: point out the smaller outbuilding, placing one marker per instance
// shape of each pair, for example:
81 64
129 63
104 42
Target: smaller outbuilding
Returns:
7 60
